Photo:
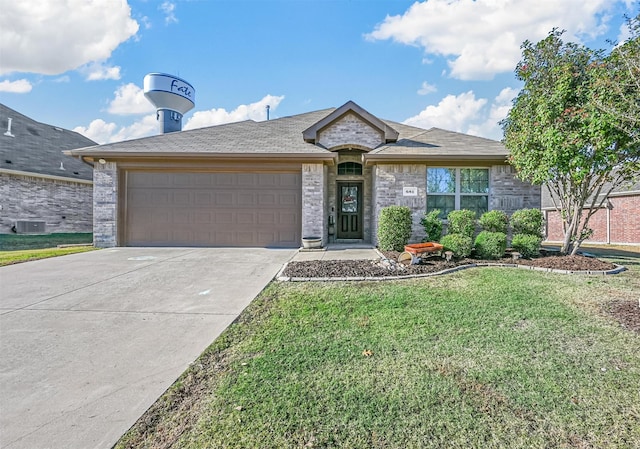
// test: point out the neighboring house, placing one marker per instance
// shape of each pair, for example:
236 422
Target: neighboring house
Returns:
41 189
321 174
617 221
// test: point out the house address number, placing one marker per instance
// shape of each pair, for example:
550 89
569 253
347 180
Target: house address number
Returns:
409 191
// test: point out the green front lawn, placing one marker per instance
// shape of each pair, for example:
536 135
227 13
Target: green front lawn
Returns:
11 257
485 358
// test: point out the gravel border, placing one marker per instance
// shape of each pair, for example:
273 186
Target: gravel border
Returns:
281 278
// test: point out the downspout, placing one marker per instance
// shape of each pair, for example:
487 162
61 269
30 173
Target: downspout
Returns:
608 206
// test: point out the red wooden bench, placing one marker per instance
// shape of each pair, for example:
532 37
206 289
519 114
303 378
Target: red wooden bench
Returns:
415 251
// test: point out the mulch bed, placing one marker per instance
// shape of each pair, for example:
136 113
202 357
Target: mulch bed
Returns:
434 264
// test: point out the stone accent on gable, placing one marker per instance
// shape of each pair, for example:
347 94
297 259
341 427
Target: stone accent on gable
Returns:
105 205
64 206
314 200
350 130
388 190
508 193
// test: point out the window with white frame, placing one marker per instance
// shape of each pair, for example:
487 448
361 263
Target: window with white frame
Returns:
457 188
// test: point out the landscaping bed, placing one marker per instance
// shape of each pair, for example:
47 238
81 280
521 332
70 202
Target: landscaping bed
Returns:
434 264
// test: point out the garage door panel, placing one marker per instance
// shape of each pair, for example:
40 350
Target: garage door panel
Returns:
213 209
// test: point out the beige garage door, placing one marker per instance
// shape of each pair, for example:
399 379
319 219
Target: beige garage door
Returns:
213 209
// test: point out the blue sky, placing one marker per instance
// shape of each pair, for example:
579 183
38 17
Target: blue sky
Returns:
79 64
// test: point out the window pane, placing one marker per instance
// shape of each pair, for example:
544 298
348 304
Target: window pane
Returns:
349 168
474 180
446 203
441 180
477 203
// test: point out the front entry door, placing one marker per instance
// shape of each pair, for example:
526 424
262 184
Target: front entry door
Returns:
349 210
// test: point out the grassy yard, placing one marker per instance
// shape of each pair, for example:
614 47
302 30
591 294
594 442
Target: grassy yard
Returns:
484 358
11 257
12 242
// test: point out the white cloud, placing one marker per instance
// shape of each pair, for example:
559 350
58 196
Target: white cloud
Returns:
482 38
98 130
57 36
454 112
130 100
427 88
500 107
255 111
103 132
63 79
168 9
96 71
16 87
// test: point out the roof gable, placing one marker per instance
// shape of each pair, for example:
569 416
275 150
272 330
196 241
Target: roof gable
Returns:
388 134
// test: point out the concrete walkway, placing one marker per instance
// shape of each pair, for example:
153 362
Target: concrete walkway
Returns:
337 251
89 341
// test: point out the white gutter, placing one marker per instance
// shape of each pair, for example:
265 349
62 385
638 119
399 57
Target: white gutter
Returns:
42 176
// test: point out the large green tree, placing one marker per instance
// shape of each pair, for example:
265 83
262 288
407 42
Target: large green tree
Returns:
616 90
559 136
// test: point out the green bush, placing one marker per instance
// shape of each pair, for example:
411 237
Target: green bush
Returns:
494 221
526 244
394 228
462 222
528 221
432 226
459 244
491 245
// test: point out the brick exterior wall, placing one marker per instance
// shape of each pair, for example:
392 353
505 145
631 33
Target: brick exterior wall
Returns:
508 193
65 206
352 130
105 205
389 181
623 216
314 201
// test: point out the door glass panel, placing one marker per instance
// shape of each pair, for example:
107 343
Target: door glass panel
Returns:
349 199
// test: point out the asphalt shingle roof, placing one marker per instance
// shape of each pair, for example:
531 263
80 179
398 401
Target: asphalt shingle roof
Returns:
284 136
37 147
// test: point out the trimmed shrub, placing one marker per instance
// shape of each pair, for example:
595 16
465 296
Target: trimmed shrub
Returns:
490 245
394 228
528 221
494 221
526 244
459 244
462 222
432 226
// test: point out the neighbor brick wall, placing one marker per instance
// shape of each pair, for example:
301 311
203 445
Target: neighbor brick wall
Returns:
624 219
105 205
350 129
65 206
314 199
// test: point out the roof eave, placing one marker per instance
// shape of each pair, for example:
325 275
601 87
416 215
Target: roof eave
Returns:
114 155
370 159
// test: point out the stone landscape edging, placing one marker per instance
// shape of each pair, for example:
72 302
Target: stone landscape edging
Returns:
281 278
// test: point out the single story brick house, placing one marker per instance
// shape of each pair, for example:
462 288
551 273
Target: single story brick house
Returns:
41 190
324 174
616 222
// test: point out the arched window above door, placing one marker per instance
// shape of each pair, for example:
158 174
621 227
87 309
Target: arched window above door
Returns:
350 168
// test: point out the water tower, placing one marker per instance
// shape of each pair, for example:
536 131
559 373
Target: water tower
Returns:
172 97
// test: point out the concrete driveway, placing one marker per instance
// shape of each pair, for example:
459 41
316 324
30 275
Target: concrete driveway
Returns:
89 341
